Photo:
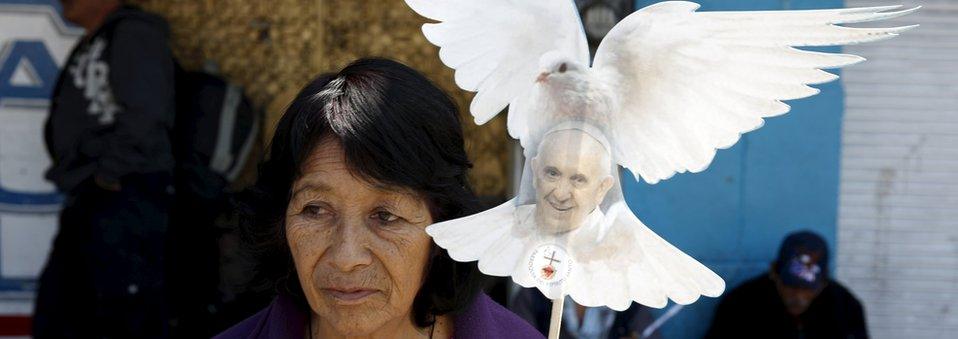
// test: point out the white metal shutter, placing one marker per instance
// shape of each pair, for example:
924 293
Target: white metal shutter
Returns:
898 210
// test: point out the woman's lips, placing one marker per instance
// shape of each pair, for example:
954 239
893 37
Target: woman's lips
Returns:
349 295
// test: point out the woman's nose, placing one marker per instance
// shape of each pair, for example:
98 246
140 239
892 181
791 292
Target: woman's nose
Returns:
350 249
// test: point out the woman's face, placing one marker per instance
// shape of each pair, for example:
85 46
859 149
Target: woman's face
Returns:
360 249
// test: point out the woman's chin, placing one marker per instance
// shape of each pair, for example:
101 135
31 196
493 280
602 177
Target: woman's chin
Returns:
355 322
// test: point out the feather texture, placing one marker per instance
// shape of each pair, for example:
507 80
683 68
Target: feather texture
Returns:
690 83
668 87
495 45
620 254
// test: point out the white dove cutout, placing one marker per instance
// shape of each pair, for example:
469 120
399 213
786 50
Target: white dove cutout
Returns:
668 87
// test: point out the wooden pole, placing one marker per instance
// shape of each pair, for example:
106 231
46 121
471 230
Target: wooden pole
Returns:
555 322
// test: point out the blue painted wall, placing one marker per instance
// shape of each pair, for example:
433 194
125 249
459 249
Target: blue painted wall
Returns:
35 52
780 178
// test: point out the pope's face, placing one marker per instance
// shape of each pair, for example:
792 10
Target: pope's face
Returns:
571 177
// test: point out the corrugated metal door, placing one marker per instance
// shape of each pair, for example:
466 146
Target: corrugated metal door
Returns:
898 221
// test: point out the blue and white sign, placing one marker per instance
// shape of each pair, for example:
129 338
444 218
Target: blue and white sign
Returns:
34 43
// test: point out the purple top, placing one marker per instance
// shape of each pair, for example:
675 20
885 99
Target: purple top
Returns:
483 319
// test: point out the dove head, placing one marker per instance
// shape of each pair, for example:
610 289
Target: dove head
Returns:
557 68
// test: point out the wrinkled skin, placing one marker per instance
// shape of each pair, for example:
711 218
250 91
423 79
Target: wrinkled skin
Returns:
360 250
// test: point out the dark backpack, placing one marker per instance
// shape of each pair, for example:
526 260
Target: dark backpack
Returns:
215 130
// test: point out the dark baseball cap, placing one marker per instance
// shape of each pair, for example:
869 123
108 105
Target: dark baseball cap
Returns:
803 260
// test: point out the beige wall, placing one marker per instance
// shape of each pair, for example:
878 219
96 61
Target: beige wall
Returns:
273 48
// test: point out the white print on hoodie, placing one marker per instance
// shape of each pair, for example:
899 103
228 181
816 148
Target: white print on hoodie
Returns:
92 75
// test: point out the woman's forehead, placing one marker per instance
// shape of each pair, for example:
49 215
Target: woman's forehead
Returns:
327 154
326 171
353 192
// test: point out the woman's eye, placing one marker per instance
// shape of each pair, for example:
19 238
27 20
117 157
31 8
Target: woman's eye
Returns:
314 211
552 173
384 217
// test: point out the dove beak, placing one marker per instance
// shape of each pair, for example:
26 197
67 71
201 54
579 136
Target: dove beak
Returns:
542 77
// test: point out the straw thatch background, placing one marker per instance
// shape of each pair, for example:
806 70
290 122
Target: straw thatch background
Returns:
273 48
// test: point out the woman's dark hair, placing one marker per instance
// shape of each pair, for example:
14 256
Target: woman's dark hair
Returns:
396 128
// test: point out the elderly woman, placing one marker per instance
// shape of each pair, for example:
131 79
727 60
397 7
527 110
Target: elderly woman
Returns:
361 162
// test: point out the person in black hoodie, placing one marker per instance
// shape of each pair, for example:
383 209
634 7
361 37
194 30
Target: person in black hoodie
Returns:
795 300
108 135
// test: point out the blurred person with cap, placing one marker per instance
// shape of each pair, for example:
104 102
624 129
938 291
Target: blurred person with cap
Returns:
108 135
795 299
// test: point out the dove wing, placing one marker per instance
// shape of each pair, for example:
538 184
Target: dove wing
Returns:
689 82
495 46
489 237
632 263
621 254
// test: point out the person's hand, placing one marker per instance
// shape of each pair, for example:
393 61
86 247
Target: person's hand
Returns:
107 184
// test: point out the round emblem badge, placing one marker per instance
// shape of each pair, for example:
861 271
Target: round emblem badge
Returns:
550 264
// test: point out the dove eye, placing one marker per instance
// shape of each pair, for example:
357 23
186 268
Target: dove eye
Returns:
562 67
